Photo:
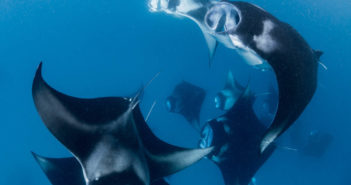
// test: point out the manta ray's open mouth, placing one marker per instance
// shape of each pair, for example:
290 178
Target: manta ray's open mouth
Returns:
222 18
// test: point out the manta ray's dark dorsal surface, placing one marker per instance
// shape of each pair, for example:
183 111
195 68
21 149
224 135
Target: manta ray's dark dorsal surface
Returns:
67 171
109 137
293 61
236 136
186 100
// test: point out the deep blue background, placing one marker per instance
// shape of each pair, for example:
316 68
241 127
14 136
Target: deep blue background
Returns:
110 47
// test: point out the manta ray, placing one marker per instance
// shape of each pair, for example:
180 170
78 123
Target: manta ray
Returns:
311 143
109 137
265 42
186 100
317 143
235 137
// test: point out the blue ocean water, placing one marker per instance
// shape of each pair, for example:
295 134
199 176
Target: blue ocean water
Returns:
110 48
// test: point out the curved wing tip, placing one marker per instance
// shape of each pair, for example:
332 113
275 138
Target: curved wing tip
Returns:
38 77
39 69
40 65
38 158
34 154
264 145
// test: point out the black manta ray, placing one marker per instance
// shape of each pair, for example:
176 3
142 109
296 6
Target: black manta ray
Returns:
317 143
314 144
261 39
67 171
109 137
186 99
235 137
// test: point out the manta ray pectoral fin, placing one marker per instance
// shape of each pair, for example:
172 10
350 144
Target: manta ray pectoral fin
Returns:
239 86
61 171
174 160
57 112
247 93
268 139
165 159
271 134
211 44
230 82
73 120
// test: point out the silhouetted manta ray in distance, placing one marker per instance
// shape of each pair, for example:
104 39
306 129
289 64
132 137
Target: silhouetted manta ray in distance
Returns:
109 137
313 144
260 38
186 100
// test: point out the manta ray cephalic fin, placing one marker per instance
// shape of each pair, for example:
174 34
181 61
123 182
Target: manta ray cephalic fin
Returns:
211 44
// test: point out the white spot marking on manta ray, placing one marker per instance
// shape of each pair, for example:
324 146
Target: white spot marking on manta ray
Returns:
265 42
